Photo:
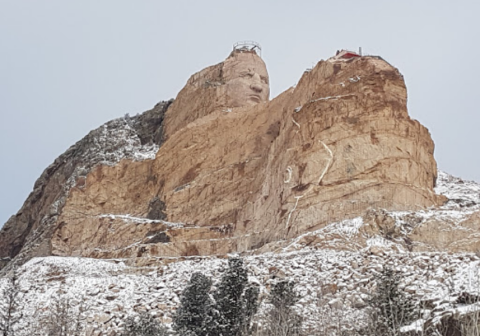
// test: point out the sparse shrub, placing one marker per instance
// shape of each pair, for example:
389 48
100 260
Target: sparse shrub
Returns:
390 307
282 319
330 320
65 317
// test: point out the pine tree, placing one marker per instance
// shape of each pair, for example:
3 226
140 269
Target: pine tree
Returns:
251 305
144 325
195 314
9 315
283 294
390 307
236 301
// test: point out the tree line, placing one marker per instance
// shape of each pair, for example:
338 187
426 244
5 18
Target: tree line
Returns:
230 308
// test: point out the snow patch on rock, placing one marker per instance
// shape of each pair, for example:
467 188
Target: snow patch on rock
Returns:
461 193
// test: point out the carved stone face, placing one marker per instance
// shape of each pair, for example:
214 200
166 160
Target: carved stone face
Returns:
246 80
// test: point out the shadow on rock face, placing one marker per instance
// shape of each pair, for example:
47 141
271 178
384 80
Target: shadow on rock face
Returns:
156 209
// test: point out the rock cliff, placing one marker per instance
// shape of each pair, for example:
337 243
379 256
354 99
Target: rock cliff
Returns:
334 269
232 170
29 232
326 184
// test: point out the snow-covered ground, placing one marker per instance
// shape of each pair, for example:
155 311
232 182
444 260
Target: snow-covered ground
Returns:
333 268
110 291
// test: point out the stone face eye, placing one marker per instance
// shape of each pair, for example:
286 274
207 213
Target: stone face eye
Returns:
264 79
248 75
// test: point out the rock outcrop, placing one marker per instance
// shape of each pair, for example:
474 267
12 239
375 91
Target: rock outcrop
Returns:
332 176
29 232
235 171
334 269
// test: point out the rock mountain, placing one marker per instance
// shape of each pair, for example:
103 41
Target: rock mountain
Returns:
325 184
222 169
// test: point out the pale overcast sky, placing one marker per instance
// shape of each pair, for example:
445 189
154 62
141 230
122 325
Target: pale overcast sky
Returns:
66 67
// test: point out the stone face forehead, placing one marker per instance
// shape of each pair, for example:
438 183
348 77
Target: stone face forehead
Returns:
239 63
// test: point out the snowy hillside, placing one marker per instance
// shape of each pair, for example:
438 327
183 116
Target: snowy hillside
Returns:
460 193
333 268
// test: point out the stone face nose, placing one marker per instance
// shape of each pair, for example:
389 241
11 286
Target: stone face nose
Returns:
256 85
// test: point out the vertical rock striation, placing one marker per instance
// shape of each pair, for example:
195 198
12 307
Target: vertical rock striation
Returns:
233 176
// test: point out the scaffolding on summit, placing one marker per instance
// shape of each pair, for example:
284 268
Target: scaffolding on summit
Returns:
248 46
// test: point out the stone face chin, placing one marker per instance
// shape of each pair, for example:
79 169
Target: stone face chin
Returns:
227 180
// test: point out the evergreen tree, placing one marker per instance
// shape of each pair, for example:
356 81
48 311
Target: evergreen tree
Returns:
390 307
283 294
144 325
194 316
282 319
9 306
251 305
235 300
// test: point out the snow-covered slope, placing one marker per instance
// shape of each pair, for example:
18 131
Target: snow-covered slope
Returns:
328 282
334 269
460 193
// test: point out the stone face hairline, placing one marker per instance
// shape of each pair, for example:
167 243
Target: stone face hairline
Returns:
196 78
